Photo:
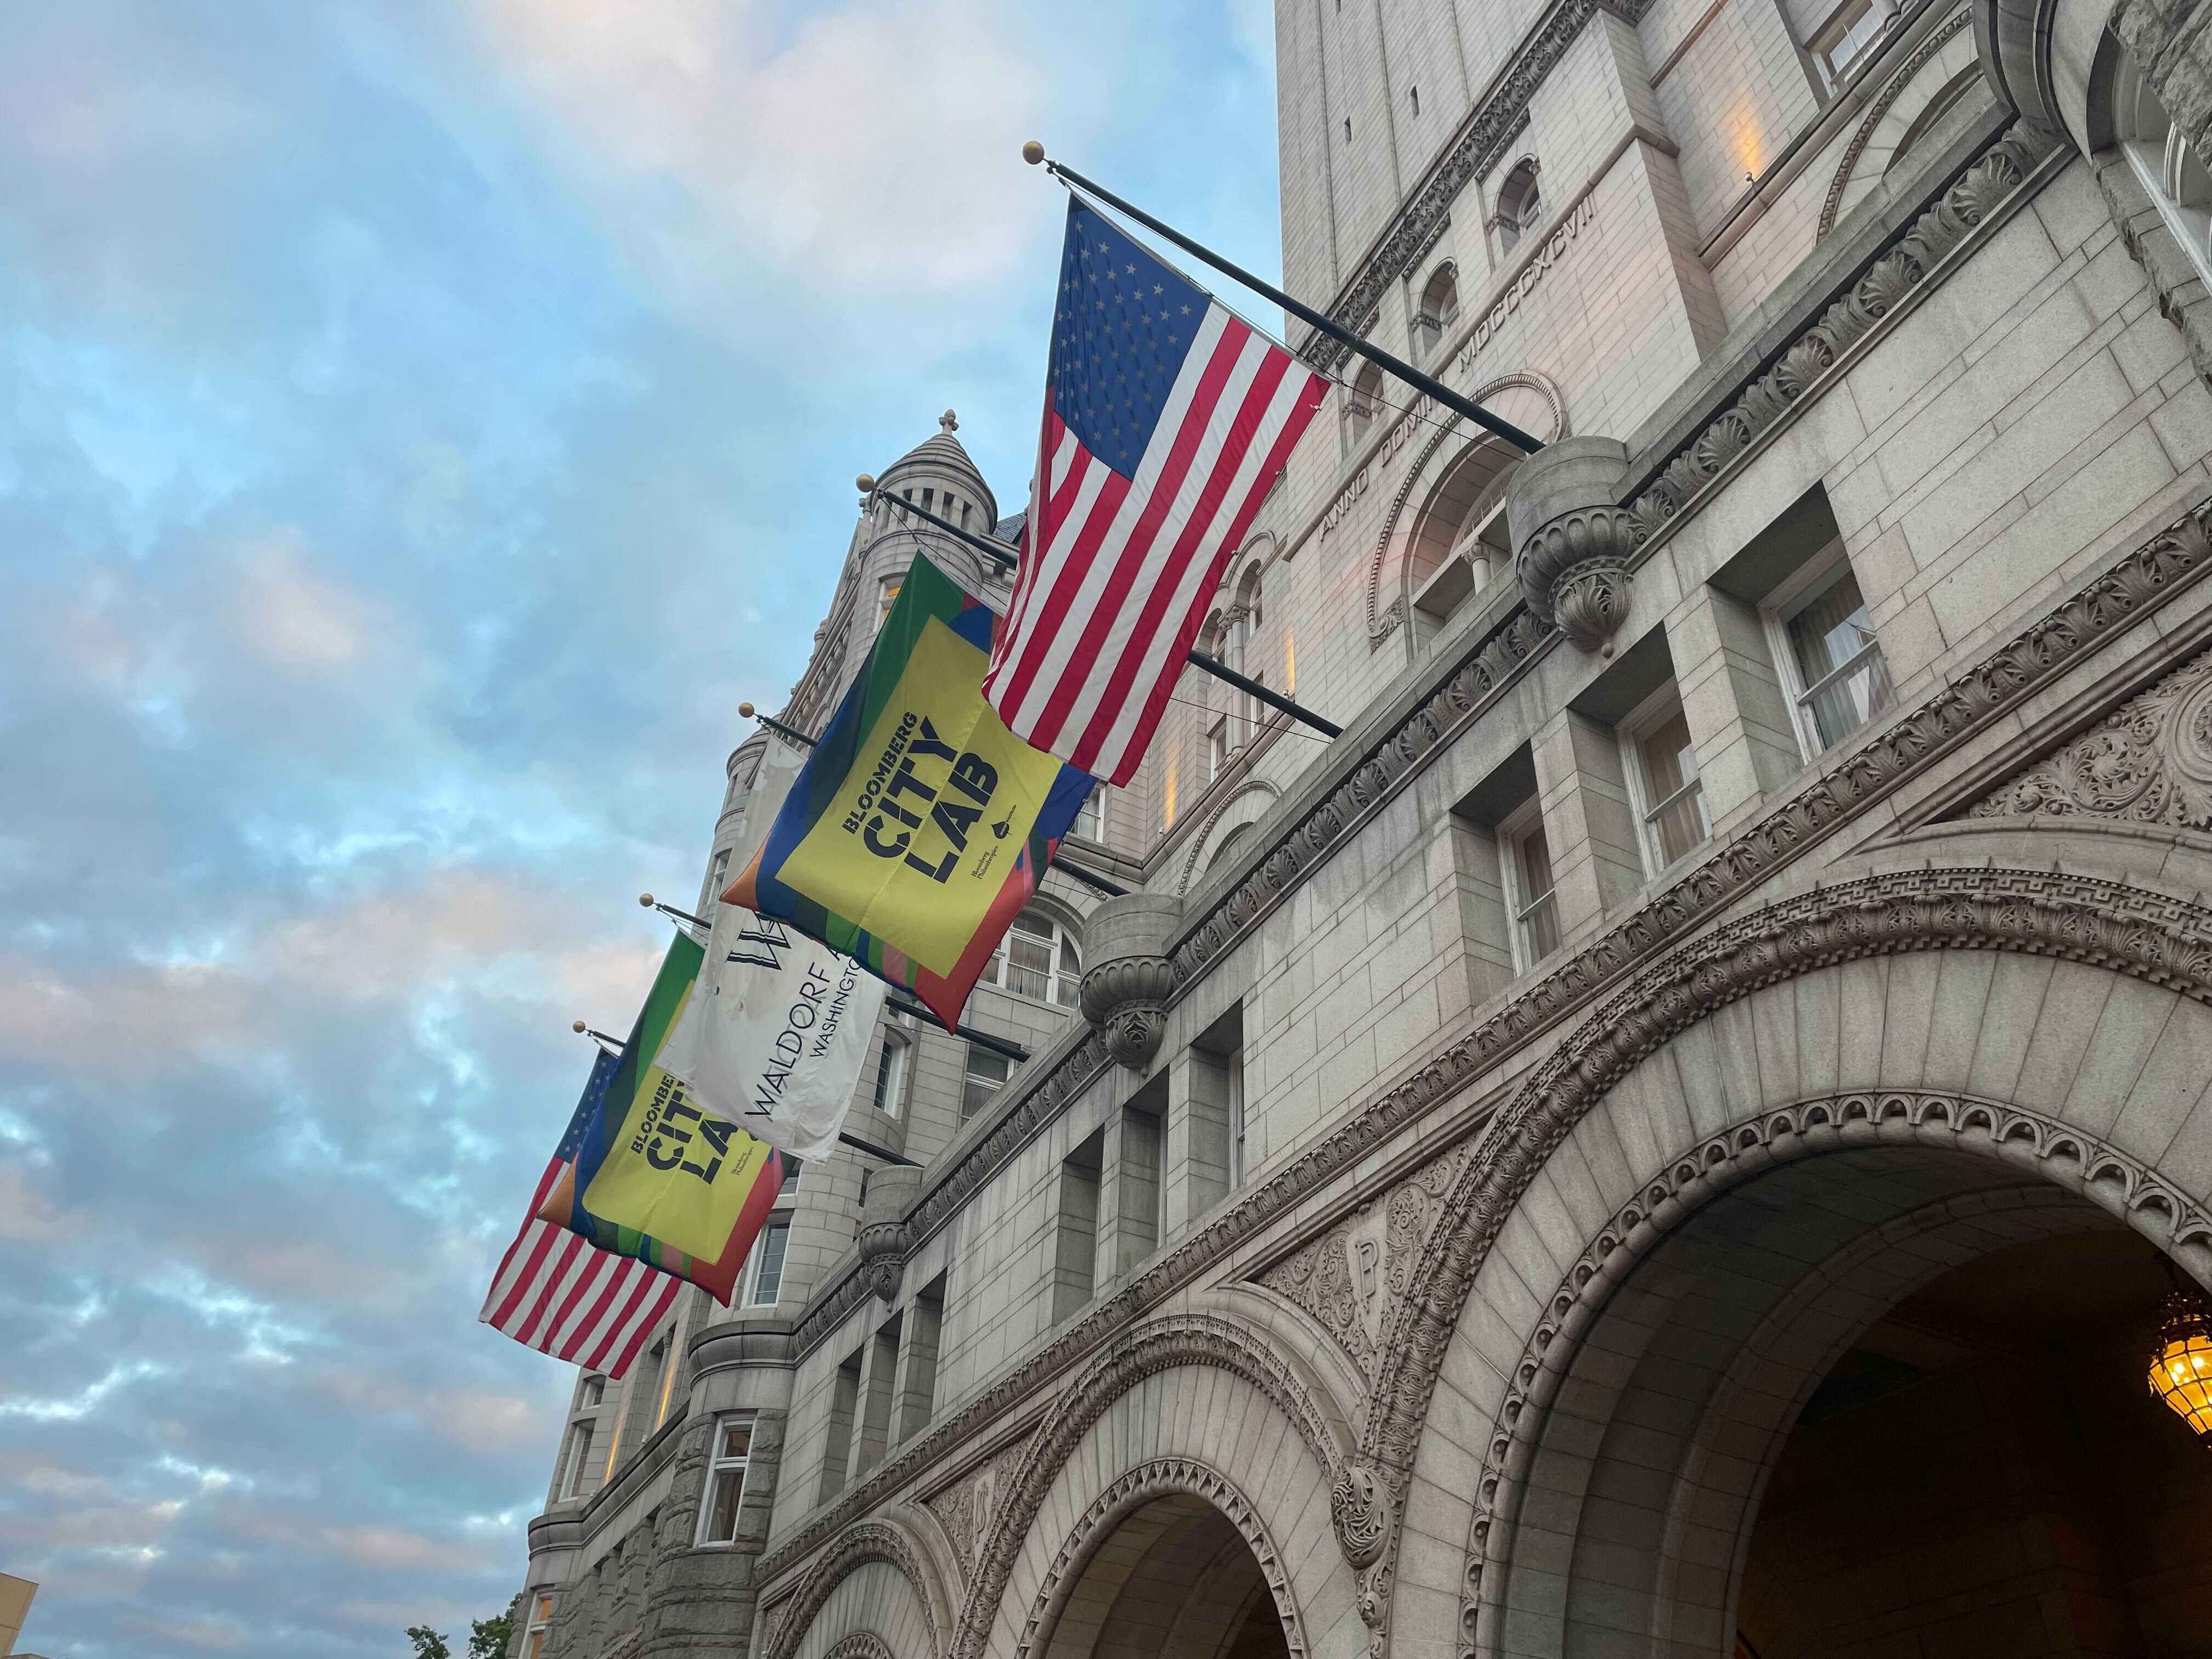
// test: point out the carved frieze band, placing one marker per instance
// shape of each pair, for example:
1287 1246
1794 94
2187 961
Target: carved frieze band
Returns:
2059 1153
2149 761
1163 1478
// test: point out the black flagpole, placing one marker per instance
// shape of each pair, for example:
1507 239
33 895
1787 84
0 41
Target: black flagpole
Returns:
1074 872
1033 153
992 548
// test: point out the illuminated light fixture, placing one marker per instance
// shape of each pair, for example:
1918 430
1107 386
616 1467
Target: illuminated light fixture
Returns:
2181 1360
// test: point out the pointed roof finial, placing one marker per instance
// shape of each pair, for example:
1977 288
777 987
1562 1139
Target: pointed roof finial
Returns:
948 422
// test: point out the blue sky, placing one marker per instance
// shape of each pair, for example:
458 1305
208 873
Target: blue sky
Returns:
421 424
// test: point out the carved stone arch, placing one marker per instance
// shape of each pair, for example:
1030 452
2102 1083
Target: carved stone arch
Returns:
1146 1484
1195 863
1857 164
1185 1339
860 1644
883 1540
1383 620
2062 1161
2105 924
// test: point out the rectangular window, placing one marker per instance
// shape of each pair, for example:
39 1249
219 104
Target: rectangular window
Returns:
1847 33
1037 958
987 1075
541 1618
1075 1248
918 1388
578 1459
1530 901
590 1392
1090 817
718 876
891 592
725 1483
791 1169
1662 776
837 1448
1838 676
1216 748
768 1265
891 1074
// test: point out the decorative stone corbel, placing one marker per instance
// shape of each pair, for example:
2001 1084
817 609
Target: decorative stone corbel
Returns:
1574 540
1128 978
883 1234
1359 1507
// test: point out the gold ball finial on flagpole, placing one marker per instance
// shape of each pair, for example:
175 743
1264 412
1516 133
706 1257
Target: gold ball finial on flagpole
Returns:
865 483
645 901
1033 152
746 709
578 1028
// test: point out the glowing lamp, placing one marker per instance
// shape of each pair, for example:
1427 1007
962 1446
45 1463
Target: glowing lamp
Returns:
2181 1359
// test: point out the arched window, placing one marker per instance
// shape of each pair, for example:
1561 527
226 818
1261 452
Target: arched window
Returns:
1520 203
1438 310
2165 161
1038 957
1460 539
1367 400
1228 841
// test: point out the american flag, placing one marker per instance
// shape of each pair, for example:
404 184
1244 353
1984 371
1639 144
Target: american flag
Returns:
562 1295
1166 421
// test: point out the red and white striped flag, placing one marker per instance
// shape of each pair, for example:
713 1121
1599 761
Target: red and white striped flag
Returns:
556 1292
1166 421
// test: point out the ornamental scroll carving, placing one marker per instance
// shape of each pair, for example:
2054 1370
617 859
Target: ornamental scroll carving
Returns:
964 1509
1348 1279
2059 1152
2149 761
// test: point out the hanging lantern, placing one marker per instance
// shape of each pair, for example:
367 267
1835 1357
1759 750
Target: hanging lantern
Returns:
2181 1360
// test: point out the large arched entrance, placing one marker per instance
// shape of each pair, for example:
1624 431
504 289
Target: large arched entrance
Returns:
1879 1390
1174 1579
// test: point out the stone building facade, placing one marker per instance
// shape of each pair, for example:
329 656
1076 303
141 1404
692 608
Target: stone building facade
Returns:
1671 1134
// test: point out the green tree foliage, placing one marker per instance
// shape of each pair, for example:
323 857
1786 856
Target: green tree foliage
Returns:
487 1637
428 1644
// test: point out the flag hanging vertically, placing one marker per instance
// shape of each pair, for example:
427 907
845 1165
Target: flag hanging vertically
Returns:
1166 421
779 1026
654 1177
920 825
557 1293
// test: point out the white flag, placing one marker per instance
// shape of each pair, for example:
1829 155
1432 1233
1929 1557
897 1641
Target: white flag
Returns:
778 1028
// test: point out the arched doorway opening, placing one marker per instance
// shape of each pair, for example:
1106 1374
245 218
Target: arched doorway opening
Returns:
1985 1471
1175 1579
1875 1383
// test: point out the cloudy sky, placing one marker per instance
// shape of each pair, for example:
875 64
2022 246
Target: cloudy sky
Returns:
421 422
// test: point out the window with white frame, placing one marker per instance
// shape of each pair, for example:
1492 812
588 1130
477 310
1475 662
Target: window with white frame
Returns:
590 1392
540 1620
1849 30
1090 817
718 876
1831 662
2163 160
1037 958
792 1166
1216 748
987 1074
726 1482
576 1458
891 1074
1662 765
764 1266
1530 902
889 596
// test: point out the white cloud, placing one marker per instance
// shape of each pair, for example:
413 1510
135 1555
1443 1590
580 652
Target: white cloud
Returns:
864 153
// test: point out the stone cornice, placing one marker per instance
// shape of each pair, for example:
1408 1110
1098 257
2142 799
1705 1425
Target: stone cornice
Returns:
1489 126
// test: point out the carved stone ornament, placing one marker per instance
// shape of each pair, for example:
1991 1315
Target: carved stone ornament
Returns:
853 1549
882 1258
1126 987
1359 1509
2149 761
1576 543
